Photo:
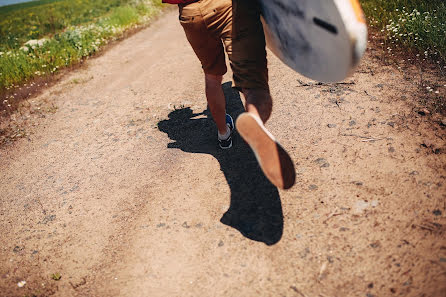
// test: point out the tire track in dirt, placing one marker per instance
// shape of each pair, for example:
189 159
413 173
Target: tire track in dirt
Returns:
124 192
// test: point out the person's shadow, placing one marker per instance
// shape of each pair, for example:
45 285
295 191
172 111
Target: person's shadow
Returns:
255 209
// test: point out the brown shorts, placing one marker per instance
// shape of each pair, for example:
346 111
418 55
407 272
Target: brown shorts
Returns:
213 26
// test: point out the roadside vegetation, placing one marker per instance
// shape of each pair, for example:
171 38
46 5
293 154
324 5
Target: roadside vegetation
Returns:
416 25
40 37
411 34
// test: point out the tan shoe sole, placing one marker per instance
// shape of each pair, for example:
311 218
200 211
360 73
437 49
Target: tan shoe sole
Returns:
273 159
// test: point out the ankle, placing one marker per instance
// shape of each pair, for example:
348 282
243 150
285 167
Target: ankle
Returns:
225 135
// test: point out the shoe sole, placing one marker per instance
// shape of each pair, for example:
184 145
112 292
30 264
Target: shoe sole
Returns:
273 159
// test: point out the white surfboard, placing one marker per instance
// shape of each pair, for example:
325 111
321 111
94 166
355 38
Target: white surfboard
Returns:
321 39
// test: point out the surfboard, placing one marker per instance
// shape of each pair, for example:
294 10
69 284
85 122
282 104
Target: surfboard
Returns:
323 40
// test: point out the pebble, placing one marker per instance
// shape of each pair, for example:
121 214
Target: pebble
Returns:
437 212
322 162
375 244
334 125
423 112
313 187
17 249
21 284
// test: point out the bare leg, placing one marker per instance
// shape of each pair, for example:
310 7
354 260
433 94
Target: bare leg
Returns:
273 159
216 101
258 102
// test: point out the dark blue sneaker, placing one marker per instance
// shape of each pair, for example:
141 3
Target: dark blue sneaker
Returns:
227 143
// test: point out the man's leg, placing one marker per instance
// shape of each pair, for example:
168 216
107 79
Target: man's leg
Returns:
273 159
208 47
249 65
258 103
216 101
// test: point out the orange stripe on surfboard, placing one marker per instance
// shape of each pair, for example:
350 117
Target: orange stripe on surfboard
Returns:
358 11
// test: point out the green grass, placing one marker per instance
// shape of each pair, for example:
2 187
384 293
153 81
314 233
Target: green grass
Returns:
37 40
413 24
12 7
33 20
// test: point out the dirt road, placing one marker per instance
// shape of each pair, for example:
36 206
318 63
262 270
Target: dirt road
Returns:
122 190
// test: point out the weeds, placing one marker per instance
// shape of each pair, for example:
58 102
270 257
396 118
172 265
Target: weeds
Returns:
416 25
70 41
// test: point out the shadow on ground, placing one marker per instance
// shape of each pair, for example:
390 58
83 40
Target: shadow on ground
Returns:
255 208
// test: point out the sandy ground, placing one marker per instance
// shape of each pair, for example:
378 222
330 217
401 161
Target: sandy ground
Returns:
122 190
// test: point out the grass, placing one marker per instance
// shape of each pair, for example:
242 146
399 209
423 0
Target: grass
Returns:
36 19
41 37
415 25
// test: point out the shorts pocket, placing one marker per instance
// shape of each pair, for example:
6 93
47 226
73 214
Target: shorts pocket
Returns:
185 19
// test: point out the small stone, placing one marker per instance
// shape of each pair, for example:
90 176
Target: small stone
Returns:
21 284
443 122
221 243
160 225
334 125
375 245
414 173
423 112
342 229
437 212
392 290
369 295
17 249
443 260
391 149
352 123
370 286
313 187
185 225
391 124
322 162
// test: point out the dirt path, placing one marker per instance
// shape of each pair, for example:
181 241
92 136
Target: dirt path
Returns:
123 191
